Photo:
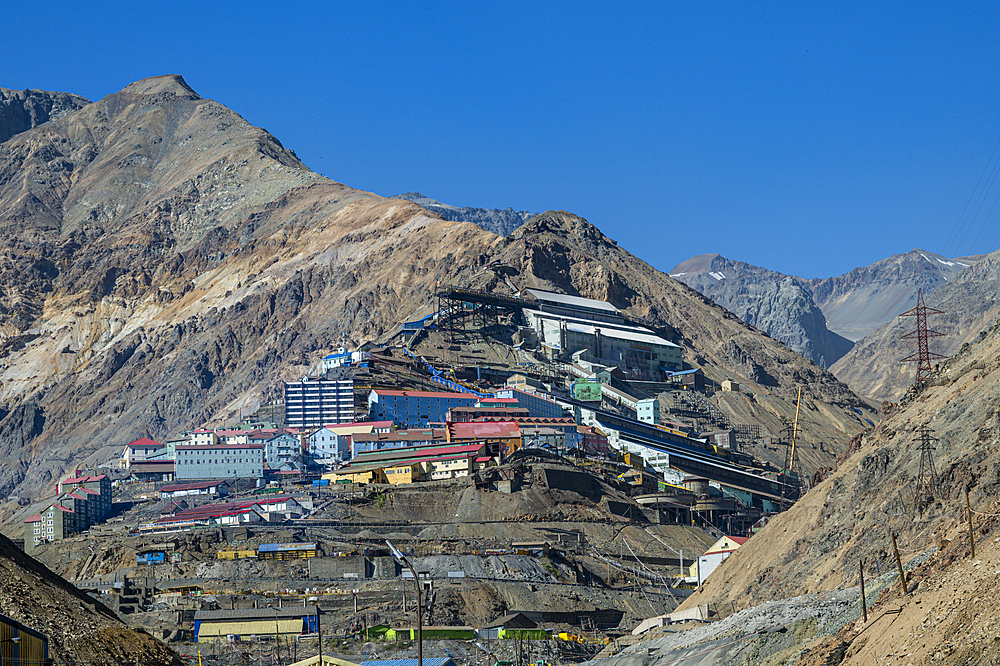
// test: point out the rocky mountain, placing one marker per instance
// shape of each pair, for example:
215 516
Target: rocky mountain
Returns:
969 305
820 318
20 110
846 522
166 265
500 222
780 305
860 301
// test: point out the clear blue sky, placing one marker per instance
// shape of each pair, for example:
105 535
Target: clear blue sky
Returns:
806 140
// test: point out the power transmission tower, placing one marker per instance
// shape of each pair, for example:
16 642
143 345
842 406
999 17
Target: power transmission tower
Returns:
924 355
926 476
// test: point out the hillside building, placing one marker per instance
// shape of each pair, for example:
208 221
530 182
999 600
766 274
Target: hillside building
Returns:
283 452
414 463
220 461
501 438
569 324
142 450
313 403
333 442
97 486
52 523
537 405
415 409
379 441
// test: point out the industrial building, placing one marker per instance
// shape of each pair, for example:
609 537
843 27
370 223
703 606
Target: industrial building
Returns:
313 403
220 461
215 625
415 409
565 325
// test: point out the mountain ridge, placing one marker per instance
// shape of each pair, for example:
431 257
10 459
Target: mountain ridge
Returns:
502 222
180 263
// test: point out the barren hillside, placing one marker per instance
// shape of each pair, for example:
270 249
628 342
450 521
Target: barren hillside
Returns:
164 264
969 305
79 629
847 520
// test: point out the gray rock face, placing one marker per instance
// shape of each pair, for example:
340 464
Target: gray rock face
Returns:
500 222
21 110
820 318
780 305
860 301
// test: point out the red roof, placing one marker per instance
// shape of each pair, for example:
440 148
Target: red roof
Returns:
144 441
84 479
739 540
373 424
202 447
33 519
483 429
425 394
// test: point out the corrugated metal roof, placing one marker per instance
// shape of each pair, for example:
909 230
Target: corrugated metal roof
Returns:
284 547
429 661
240 614
261 627
572 301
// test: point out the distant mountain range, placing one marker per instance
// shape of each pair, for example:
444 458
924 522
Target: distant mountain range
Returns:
500 222
820 318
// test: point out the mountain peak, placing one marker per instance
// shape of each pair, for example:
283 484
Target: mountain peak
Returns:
170 84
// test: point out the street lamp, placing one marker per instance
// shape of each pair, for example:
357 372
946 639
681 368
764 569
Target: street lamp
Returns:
403 560
319 629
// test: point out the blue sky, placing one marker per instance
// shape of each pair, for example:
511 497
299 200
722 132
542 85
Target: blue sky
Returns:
807 140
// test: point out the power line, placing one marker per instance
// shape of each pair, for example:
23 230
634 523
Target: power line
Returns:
958 223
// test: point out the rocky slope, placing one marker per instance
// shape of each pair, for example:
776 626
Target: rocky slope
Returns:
777 304
79 629
21 110
969 305
500 222
860 301
818 544
163 264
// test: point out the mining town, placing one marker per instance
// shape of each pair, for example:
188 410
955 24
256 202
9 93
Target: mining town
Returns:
510 478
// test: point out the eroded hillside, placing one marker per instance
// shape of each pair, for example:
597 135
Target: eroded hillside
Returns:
847 520
164 264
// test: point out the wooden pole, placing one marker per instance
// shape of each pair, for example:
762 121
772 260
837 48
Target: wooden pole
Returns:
968 509
864 605
899 563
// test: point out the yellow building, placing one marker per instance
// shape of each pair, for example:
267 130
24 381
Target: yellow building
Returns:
634 460
355 475
20 644
398 474
235 554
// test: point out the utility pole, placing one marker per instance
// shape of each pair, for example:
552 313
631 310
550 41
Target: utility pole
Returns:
403 560
924 355
926 476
